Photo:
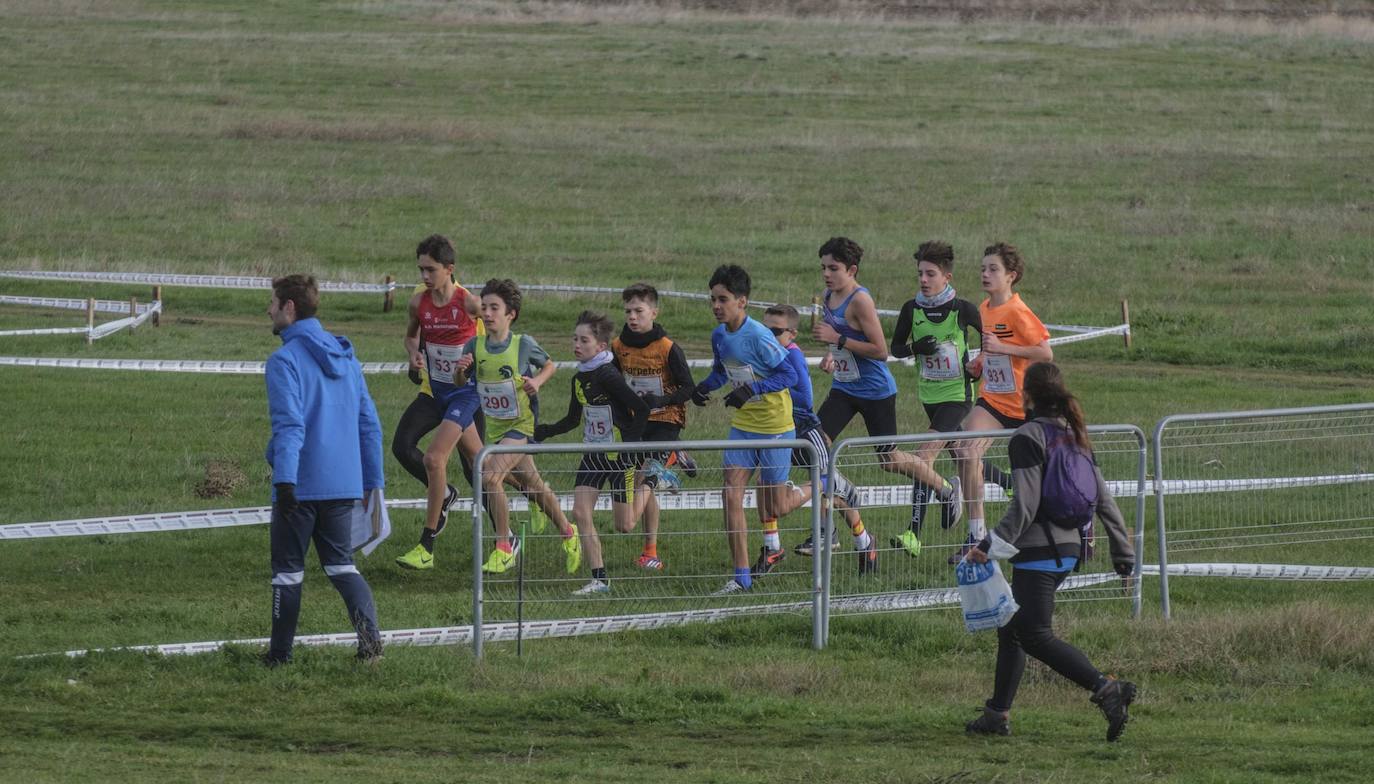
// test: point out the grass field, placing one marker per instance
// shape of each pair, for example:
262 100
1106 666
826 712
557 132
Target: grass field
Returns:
1216 173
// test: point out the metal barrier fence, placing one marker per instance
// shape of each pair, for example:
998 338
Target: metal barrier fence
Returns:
536 586
1290 486
921 576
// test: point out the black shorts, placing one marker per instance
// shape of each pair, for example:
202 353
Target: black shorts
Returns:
880 416
802 458
597 469
1009 423
660 431
946 417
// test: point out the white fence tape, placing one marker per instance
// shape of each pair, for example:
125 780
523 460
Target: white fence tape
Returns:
97 332
686 500
578 627
255 282
101 305
45 331
1265 571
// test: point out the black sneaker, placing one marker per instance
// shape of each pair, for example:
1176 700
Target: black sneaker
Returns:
688 464
449 498
868 558
958 555
991 722
952 508
1114 698
767 560
808 548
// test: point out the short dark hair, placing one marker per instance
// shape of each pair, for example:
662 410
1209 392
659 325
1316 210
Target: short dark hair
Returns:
733 277
786 311
843 250
437 247
507 290
1011 259
300 289
600 326
642 291
936 252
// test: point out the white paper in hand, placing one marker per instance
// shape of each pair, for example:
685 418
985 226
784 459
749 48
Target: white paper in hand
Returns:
371 526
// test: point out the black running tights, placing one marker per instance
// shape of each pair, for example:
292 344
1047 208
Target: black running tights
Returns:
1031 631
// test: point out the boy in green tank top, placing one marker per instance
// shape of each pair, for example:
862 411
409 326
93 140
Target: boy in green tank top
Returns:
510 369
933 327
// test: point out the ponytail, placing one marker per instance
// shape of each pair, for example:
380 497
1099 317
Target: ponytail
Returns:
1044 386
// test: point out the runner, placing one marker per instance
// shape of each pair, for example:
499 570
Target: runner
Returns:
933 328
608 410
1013 338
442 319
750 359
858 352
510 370
783 321
656 369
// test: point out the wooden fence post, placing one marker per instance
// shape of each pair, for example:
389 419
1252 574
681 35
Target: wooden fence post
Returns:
388 298
1126 319
90 320
157 299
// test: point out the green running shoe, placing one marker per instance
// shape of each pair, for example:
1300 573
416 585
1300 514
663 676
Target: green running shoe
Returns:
907 541
418 558
572 545
499 562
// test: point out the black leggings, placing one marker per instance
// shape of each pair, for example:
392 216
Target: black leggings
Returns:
1031 631
422 416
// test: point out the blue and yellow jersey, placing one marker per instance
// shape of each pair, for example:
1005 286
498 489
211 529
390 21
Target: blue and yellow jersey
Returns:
748 355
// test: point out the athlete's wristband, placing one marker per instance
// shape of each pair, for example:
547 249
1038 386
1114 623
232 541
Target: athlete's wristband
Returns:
843 340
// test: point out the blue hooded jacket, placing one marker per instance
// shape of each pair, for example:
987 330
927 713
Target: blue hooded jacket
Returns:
326 438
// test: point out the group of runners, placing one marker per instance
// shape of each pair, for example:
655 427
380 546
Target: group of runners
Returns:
480 382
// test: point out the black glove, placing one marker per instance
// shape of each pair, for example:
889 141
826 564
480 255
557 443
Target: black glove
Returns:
926 346
700 396
739 396
286 497
654 401
541 432
1123 568
414 375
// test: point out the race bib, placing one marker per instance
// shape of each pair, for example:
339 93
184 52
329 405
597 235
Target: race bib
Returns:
645 385
442 361
846 369
498 399
997 376
741 376
943 365
597 425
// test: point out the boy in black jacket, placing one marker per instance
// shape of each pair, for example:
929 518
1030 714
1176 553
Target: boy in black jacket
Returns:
609 412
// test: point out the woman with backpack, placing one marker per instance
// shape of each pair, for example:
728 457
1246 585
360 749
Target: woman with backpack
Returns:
1058 489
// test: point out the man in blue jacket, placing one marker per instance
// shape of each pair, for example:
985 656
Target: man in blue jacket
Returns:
325 453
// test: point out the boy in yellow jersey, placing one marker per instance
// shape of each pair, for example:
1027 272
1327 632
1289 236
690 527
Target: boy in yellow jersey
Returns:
749 358
657 370
510 369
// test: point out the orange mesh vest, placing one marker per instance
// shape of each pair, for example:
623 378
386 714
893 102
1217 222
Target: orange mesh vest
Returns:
651 362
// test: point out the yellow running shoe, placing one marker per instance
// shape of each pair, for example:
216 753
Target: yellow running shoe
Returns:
538 520
572 545
907 540
499 562
418 558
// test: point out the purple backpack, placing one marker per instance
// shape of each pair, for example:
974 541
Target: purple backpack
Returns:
1068 487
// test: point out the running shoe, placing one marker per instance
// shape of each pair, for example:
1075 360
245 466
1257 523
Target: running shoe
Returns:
688 463
991 722
592 588
952 508
729 588
908 541
649 563
449 498
538 520
418 558
665 478
868 558
958 555
1114 698
808 548
572 547
768 559
847 490
500 561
